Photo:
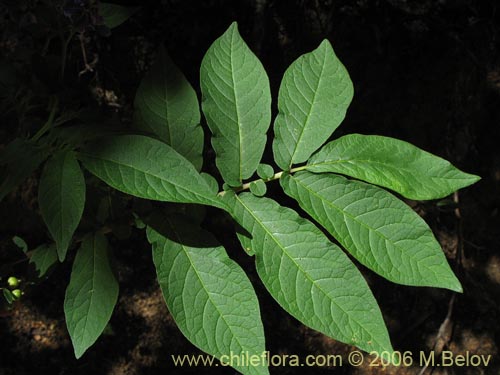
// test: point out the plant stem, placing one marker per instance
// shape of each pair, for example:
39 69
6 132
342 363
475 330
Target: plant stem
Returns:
276 176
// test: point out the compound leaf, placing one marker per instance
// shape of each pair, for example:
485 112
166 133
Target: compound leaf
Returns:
166 105
391 163
309 276
313 99
237 105
91 294
44 257
61 197
209 296
378 229
114 15
147 168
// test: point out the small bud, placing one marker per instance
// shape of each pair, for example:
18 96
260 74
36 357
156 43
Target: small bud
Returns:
13 281
17 293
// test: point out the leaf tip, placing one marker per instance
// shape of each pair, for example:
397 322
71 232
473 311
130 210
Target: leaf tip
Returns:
233 29
456 286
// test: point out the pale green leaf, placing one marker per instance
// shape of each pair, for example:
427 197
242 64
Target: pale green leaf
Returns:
208 294
44 257
309 276
166 105
391 163
114 15
61 197
378 229
91 294
236 104
313 99
147 168
18 160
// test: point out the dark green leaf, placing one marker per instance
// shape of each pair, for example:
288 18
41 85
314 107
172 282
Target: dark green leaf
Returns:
61 197
44 257
20 243
18 161
166 105
209 295
114 15
147 168
91 294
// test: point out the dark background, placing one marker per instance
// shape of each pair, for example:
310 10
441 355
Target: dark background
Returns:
427 72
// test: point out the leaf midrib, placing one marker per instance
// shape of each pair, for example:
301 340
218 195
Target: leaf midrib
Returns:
345 213
303 271
386 165
186 252
235 96
309 112
152 175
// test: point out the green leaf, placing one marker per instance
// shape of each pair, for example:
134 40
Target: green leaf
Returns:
166 105
114 15
312 102
265 171
9 297
44 257
391 163
310 277
378 229
208 295
147 168
91 294
211 182
18 160
61 197
236 104
20 243
258 188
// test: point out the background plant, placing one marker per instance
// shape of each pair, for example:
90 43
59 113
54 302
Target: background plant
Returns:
240 138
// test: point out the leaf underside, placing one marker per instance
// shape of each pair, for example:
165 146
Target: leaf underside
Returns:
378 229
237 105
44 257
210 297
310 277
91 294
166 105
312 102
61 196
391 163
147 168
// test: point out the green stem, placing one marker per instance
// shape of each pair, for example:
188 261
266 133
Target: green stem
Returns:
276 176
